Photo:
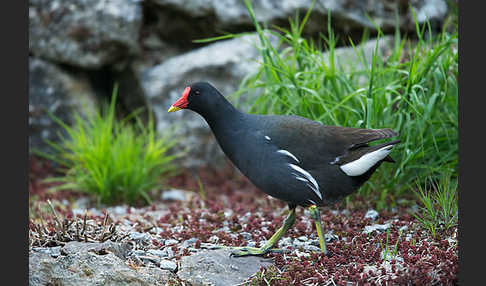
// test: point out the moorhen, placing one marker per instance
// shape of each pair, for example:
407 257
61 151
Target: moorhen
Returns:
292 158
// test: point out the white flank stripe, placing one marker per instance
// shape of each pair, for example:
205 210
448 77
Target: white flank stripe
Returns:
301 179
360 166
285 152
268 138
314 186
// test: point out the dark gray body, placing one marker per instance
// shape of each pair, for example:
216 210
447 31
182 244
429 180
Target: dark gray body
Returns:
252 143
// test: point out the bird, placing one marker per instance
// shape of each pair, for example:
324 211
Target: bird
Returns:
289 157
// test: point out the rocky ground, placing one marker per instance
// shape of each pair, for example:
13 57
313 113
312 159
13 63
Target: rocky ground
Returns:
180 239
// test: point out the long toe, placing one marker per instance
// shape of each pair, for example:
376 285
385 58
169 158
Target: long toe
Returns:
246 251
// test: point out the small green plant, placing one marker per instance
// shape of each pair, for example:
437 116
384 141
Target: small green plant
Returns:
266 276
439 204
118 161
386 250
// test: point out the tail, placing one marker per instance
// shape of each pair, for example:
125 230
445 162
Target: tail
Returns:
359 161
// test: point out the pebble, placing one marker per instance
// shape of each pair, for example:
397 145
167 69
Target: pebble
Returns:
171 241
329 237
213 239
157 252
137 252
149 259
168 265
190 242
139 237
286 241
251 243
170 252
376 227
302 238
174 195
312 248
52 251
372 214
118 210
246 235
297 243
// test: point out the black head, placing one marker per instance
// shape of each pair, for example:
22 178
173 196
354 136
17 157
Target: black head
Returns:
199 97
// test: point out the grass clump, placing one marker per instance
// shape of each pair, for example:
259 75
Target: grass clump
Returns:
117 161
439 210
412 90
389 253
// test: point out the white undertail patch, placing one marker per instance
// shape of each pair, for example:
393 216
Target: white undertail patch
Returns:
312 183
364 163
285 152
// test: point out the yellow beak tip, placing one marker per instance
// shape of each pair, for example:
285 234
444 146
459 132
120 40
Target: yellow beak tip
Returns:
173 109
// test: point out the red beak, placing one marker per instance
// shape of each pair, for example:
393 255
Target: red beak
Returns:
182 102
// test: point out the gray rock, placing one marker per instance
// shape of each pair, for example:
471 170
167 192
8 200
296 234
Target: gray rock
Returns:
208 17
84 33
312 248
174 195
120 250
285 241
157 252
245 235
303 238
140 237
224 64
216 267
58 92
52 251
168 265
347 59
171 242
190 242
403 228
85 267
376 227
371 214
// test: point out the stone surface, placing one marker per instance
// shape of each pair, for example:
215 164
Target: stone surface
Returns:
216 267
372 214
56 91
86 266
195 19
175 195
376 227
84 33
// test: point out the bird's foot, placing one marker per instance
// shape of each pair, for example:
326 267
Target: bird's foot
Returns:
246 251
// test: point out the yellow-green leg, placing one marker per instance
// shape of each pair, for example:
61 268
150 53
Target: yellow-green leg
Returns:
268 247
316 216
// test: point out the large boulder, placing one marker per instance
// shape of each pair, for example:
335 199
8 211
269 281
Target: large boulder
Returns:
184 21
53 90
91 264
219 268
84 33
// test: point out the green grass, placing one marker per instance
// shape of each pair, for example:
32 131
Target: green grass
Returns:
388 251
413 90
438 210
117 161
